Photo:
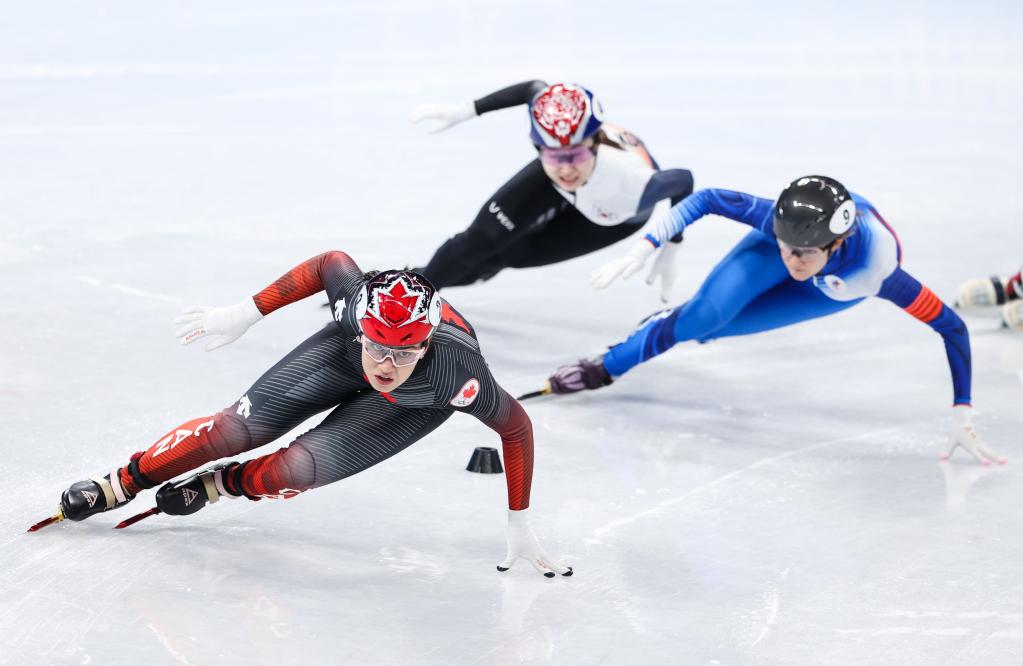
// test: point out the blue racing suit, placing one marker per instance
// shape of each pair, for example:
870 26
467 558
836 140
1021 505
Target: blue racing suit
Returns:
750 290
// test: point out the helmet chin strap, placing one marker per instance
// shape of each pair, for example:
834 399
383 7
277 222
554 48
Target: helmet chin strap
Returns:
835 244
832 248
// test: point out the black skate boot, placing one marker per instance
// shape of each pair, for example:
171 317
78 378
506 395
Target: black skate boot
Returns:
181 498
586 374
96 495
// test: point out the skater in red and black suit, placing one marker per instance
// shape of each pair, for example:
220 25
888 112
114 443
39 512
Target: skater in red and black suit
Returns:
395 364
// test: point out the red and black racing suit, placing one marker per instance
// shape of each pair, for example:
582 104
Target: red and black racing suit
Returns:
364 426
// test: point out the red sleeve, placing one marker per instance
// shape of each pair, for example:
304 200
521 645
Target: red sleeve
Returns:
1014 286
516 431
331 271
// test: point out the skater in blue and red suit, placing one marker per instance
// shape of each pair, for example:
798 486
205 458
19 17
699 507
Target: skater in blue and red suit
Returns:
817 250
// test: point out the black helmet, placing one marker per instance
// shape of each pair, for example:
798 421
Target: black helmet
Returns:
813 211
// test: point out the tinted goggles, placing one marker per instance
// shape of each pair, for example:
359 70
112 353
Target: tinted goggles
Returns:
571 156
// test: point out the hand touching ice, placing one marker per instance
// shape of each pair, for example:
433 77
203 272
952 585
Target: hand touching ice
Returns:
963 434
522 543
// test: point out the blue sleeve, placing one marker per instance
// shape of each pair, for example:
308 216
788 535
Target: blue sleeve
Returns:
673 184
745 208
905 291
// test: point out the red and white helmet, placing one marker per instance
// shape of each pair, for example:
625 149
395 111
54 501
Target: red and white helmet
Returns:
564 114
398 308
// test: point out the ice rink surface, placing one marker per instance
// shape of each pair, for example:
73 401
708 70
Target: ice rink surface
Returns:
776 499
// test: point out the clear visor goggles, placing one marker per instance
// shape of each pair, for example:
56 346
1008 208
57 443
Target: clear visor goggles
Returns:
804 253
400 356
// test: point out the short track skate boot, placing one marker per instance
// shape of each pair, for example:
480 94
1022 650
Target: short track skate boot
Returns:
96 495
181 498
980 293
586 374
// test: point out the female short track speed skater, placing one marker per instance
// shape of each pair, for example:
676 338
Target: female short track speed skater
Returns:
591 185
815 251
982 293
393 366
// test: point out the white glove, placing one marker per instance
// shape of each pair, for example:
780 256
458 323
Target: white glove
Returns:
1012 315
664 268
443 115
522 543
226 323
963 434
626 266
980 292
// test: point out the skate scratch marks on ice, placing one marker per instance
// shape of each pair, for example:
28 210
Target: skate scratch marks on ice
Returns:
167 645
621 522
125 289
773 597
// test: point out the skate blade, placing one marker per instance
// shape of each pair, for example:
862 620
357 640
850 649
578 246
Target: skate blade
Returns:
55 518
136 518
546 390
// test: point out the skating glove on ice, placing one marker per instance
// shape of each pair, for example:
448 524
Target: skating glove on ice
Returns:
443 115
222 325
522 543
963 434
625 267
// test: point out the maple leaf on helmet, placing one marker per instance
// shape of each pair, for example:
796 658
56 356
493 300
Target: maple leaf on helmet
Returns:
398 308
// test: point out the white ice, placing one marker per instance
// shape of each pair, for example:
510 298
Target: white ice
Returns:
776 499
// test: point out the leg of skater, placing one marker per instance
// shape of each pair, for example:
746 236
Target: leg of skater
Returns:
309 380
474 254
363 431
749 270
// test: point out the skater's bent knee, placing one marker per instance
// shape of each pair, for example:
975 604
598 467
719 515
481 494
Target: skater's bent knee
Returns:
698 318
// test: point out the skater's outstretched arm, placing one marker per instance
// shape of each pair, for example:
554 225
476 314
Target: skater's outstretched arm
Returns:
473 390
908 293
448 115
334 272
665 225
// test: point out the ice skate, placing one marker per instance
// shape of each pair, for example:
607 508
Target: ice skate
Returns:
94 495
89 497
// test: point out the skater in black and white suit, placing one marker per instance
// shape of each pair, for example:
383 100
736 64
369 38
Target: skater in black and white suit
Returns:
592 185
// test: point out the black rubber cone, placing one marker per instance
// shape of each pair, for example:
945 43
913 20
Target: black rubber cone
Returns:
485 461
